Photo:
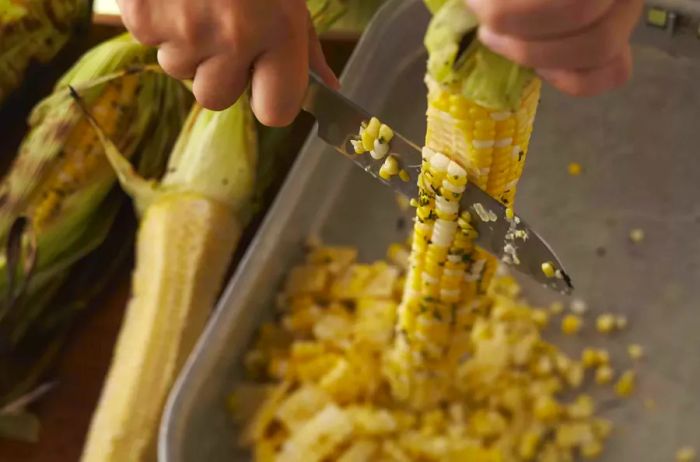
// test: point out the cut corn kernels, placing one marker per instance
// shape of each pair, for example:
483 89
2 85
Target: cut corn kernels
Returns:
548 269
605 323
574 169
635 351
604 374
626 384
571 324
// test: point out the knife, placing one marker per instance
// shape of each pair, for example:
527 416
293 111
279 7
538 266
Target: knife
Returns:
339 119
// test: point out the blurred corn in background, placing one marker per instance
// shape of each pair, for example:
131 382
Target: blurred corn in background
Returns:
59 205
34 30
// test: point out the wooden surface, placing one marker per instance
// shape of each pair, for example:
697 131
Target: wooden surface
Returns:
65 412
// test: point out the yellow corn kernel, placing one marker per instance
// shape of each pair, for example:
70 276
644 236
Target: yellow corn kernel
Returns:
357 146
540 317
626 384
373 128
527 449
686 454
403 174
546 408
591 449
635 351
637 235
602 428
574 169
571 324
582 408
389 168
367 141
556 308
589 357
603 374
509 213
605 323
603 356
386 133
578 306
548 269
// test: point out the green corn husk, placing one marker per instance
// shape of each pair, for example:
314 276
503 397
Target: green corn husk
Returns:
145 129
34 30
484 76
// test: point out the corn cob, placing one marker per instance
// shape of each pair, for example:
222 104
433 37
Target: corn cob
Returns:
33 30
190 225
480 114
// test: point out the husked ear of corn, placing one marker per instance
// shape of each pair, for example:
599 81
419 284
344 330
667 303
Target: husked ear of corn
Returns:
190 224
34 30
481 109
60 182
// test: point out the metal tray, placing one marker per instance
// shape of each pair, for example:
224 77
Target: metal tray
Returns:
640 150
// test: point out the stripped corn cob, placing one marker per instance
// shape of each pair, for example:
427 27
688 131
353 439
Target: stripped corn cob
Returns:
190 225
473 134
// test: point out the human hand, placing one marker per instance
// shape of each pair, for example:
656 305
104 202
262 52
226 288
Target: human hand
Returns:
224 44
580 47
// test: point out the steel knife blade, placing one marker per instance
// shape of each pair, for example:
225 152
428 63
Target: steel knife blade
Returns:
511 240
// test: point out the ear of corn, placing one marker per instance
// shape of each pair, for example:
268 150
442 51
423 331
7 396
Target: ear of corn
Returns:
33 30
481 109
61 176
190 225
61 182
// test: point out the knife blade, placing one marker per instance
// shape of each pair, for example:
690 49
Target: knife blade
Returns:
513 241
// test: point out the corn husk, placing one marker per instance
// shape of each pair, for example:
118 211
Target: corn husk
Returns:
46 260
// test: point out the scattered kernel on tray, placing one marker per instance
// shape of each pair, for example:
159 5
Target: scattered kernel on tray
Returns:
605 323
574 169
556 307
604 374
625 384
578 306
637 235
635 351
686 454
571 324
